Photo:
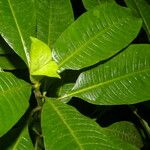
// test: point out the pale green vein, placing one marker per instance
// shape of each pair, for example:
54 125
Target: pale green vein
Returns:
102 84
68 127
91 39
19 31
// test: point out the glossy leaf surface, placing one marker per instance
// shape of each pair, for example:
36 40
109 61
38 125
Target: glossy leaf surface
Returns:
17 22
54 16
14 100
117 81
65 128
143 10
41 62
94 36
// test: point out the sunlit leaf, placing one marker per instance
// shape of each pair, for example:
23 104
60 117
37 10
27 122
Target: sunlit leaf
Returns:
117 81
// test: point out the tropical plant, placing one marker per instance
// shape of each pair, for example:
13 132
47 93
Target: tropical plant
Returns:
62 77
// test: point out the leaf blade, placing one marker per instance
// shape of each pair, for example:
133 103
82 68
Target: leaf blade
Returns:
53 18
117 83
72 130
41 63
94 36
14 29
143 10
13 92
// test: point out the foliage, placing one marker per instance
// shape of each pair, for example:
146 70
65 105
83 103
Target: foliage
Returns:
60 76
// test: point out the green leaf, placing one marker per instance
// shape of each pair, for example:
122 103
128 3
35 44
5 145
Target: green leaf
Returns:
54 16
142 8
17 22
23 142
125 79
64 89
14 97
64 128
7 62
88 4
95 36
127 132
41 63
17 140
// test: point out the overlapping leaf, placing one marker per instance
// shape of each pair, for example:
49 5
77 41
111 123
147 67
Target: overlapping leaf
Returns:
54 16
127 132
117 81
14 97
41 62
65 128
143 10
16 140
95 36
17 22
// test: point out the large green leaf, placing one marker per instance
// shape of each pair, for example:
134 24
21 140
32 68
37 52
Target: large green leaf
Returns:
95 36
14 97
88 4
143 10
125 79
127 132
16 140
17 21
65 128
54 16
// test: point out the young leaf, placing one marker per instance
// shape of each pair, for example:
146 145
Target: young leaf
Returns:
117 81
88 4
127 132
14 97
41 63
54 16
17 24
143 10
64 128
95 36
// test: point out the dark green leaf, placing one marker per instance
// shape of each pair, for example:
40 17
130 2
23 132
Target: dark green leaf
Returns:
64 128
143 10
127 132
17 140
54 16
125 79
17 22
14 100
95 36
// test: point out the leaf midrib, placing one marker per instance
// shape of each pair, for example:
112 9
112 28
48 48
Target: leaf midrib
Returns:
19 31
92 39
103 83
68 127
